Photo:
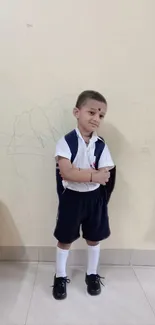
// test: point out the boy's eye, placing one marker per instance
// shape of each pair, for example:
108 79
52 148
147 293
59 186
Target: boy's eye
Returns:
101 117
92 113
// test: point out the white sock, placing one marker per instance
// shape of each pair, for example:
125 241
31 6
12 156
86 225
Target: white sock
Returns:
93 259
61 261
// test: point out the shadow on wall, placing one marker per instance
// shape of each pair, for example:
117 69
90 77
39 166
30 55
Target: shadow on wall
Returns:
121 200
9 233
150 232
115 140
11 275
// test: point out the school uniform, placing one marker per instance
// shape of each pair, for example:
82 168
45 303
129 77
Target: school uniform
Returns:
82 204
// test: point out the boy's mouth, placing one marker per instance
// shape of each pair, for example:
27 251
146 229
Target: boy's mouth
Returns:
94 125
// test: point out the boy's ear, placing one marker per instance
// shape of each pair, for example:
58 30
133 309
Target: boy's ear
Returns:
76 112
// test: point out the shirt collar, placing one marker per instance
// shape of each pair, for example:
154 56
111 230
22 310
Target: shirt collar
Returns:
93 139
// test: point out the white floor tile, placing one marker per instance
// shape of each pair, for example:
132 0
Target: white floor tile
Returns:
122 301
146 276
16 287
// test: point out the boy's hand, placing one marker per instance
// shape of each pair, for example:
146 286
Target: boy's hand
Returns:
102 176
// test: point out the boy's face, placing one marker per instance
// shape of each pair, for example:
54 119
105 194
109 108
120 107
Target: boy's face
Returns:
89 116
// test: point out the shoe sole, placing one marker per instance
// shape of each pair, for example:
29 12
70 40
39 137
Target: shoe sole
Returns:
60 298
94 293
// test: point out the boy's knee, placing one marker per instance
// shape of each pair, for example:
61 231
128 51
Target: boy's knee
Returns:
92 243
64 246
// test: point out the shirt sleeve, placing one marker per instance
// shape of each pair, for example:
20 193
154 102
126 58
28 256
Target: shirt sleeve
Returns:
106 159
62 149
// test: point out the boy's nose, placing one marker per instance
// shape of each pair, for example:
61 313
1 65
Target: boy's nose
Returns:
96 118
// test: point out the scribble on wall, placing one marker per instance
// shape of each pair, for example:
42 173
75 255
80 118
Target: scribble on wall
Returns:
35 131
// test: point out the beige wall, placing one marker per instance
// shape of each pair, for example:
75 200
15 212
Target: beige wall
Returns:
49 52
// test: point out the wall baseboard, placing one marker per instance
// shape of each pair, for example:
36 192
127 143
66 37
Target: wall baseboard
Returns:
78 256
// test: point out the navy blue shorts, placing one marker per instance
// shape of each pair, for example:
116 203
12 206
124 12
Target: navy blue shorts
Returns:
82 209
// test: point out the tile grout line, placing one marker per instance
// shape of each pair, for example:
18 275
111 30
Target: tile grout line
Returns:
34 283
147 299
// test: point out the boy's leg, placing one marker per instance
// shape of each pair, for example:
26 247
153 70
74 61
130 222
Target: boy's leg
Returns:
95 228
67 231
60 279
62 253
93 257
93 280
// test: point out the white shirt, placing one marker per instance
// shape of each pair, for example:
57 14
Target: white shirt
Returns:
84 159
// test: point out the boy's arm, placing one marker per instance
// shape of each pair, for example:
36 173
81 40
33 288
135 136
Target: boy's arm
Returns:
90 170
71 174
68 173
93 170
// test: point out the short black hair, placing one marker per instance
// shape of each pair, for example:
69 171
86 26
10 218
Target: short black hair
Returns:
89 94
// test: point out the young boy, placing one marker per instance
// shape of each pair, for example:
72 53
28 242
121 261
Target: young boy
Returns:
82 203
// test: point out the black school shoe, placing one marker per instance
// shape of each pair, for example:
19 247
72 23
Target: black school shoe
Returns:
59 288
93 282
